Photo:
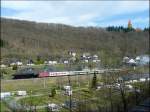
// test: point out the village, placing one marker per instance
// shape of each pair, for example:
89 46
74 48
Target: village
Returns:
73 57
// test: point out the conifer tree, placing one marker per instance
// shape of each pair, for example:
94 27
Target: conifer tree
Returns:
94 81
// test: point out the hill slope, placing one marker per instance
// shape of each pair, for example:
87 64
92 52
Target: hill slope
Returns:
28 39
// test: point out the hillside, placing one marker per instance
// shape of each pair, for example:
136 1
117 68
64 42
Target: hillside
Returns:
25 39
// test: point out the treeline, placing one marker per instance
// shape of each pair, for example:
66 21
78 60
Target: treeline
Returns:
119 29
123 29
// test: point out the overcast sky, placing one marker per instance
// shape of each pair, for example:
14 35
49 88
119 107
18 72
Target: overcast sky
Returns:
80 13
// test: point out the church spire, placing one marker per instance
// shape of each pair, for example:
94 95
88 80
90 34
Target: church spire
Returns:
129 24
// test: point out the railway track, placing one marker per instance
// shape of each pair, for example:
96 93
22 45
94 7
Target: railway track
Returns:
70 73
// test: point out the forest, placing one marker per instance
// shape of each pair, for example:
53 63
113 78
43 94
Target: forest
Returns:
28 39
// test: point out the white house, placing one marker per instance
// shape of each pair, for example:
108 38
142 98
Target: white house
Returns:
142 79
125 59
12 64
129 86
3 66
53 107
67 87
99 87
132 61
5 94
66 62
45 62
73 54
21 93
137 58
68 90
95 56
52 62
95 61
19 63
30 64
84 56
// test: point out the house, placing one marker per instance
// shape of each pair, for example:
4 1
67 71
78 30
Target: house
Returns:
3 66
73 54
19 63
21 93
5 94
83 56
53 107
66 62
45 62
126 59
96 61
12 64
137 58
142 79
68 90
30 64
129 86
95 56
52 62
132 62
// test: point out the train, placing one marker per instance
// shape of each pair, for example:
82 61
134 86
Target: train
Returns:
32 73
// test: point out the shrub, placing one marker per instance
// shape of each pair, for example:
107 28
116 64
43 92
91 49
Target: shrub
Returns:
53 92
15 67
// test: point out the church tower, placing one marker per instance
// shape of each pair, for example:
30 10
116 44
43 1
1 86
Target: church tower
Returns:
129 24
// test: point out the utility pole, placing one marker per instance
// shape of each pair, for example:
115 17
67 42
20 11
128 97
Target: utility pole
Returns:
70 99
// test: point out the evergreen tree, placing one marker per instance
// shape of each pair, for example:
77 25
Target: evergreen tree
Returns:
94 81
53 92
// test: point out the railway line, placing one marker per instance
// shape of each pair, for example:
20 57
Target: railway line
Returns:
44 74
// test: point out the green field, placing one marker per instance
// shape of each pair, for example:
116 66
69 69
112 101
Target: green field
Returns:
44 83
4 108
